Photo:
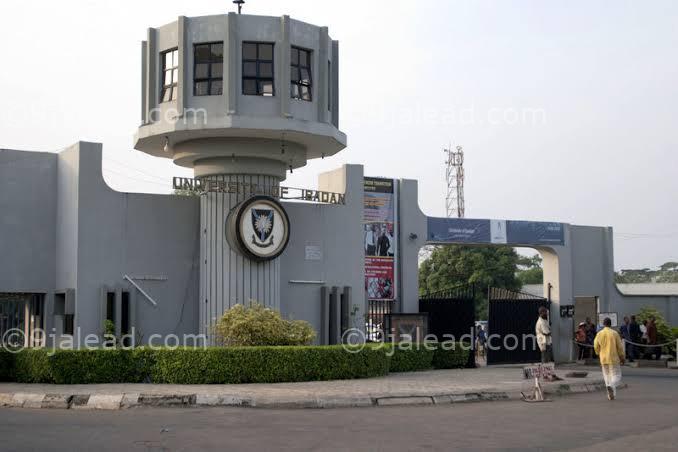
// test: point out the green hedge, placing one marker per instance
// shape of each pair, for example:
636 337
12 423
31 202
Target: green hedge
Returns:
433 355
223 365
197 366
411 357
450 356
265 364
7 366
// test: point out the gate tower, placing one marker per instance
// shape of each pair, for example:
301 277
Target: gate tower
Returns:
241 99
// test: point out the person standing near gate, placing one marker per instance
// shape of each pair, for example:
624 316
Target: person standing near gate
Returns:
609 348
636 337
625 331
543 330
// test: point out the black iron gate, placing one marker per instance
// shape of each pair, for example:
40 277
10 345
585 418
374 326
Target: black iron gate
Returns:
511 326
452 312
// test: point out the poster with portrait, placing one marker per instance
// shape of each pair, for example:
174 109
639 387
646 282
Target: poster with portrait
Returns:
380 238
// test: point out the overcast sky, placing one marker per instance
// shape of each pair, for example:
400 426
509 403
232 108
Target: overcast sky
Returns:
567 111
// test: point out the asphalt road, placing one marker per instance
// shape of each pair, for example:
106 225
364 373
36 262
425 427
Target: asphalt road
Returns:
644 417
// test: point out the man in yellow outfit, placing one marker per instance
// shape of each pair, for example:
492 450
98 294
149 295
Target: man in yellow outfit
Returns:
609 348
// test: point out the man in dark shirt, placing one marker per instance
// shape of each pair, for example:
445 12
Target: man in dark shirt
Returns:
383 244
652 338
636 335
625 331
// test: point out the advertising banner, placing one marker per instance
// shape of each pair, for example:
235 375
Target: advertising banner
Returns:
472 231
380 238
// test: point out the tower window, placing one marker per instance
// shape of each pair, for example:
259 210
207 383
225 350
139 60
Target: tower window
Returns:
300 74
257 69
208 69
170 75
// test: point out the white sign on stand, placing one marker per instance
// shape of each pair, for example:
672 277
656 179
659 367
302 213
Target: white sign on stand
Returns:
611 315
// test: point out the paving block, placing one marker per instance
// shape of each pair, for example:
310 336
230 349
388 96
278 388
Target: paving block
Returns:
416 400
492 396
167 399
279 402
130 400
24 400
463 398
104 402
6 399
220 400
61 401
652 363
79 401
442 399
345 402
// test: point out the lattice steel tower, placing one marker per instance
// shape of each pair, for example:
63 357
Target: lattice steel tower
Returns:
454 173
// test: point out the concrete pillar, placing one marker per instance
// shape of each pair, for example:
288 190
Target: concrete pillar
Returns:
226 277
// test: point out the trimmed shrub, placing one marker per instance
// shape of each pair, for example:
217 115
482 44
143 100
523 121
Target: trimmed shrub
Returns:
411 357
258 325
224 365
265 364
213 365
448 356
32 366
93 366
7 366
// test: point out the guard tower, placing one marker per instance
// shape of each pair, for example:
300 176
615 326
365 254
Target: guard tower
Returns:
241 99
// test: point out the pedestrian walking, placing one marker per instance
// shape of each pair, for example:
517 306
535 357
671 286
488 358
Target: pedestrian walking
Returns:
544 341
609 348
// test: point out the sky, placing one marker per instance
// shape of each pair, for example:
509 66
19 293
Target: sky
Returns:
566 111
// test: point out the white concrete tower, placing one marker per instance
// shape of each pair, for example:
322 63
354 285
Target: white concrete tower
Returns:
241 99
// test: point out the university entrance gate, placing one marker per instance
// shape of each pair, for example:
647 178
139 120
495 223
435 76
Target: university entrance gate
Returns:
452 313
511 325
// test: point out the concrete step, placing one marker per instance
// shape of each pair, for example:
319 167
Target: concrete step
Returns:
650 363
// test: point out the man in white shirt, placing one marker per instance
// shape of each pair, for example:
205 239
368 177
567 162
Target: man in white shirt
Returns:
370 245
543 330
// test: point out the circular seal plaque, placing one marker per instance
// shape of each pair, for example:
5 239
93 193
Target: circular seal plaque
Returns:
258 228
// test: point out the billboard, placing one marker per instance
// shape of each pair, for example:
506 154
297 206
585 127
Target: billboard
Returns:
473 231
380 236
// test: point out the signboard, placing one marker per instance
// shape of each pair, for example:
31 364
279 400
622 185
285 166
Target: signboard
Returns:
313 253
611 315
201 186
479 232
380 239
541 370
498 231
567 310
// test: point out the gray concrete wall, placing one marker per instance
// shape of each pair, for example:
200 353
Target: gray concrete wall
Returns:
337 231
27 214
137 235
412 237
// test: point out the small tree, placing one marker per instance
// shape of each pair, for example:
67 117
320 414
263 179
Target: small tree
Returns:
259 325
664 332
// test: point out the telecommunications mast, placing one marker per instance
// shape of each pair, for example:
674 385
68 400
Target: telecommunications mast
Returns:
454 173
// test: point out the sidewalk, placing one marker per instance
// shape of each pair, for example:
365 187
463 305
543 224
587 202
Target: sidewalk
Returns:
429 387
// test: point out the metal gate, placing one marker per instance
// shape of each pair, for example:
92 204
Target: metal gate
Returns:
511 324
377 311
452 312
21 314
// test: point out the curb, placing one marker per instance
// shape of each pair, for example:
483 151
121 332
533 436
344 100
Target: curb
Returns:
131 400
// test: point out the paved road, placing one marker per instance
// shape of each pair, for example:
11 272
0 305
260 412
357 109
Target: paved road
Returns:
644 417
